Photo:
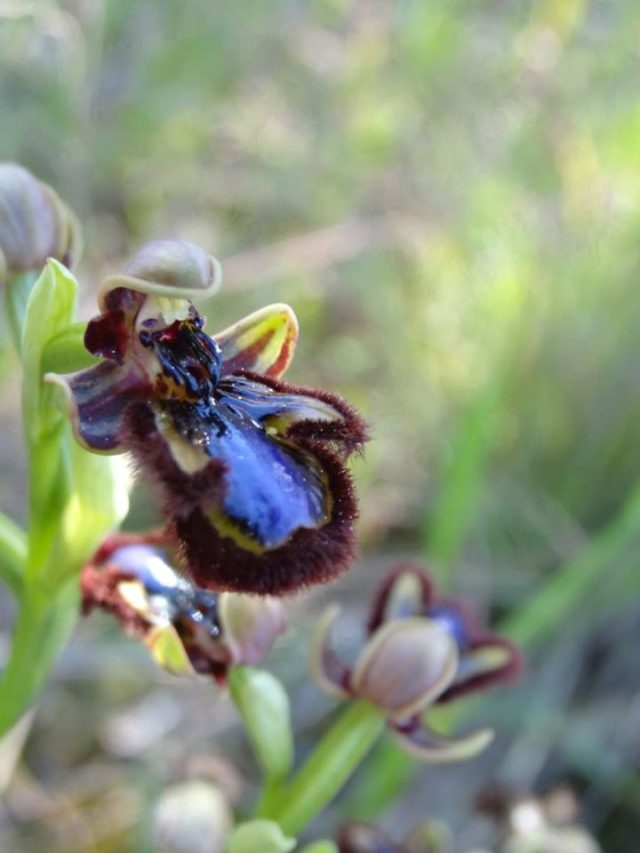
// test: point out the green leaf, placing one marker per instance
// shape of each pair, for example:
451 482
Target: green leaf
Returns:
50 310
259 835
16 297
66 353
263 705
98 502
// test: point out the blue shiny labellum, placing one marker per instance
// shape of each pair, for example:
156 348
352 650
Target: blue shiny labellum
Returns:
271 489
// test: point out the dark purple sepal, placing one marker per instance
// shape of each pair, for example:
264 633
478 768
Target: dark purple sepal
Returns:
474 677
393 602
100 396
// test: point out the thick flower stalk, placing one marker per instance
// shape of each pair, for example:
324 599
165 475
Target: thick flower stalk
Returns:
75 498
187 629
421 650
256 493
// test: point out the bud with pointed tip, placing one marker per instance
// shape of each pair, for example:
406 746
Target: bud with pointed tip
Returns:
35 224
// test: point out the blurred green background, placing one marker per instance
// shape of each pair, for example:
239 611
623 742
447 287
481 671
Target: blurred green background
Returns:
448 193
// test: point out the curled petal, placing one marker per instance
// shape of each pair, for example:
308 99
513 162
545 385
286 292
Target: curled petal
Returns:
327 670
263 342
431 748
488 661
170 269
406 591
96 400
405 666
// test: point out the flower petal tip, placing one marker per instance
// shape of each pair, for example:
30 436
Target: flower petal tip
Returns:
327 670
431 748
263 342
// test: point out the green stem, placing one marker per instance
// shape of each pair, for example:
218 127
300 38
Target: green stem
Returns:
329 767
42 628
13 553
66 352
269 798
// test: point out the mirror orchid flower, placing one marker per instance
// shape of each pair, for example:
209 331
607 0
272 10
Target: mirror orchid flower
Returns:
420 650
256 492
187 629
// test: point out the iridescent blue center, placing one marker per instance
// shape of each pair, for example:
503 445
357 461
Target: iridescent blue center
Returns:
187 356
452 621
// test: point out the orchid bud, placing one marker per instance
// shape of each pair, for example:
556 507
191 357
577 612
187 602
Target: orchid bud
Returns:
191 817
171 269
35 224
405 666
250 626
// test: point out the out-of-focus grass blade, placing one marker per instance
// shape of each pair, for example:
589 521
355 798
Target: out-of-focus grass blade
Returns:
461 477
565 592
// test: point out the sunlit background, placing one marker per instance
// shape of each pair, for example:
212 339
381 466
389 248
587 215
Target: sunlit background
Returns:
448 194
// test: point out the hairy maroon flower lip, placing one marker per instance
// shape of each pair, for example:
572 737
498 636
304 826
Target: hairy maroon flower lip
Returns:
251 469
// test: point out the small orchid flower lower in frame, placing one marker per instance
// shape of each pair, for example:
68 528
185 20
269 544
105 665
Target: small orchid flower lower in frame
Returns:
485 659
252 470
420 651
187 629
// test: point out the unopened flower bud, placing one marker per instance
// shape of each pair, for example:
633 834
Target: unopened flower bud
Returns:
250 626
191 817
35 224
405 666
171 269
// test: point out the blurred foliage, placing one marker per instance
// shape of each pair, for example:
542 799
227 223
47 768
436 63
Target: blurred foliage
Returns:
448 194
